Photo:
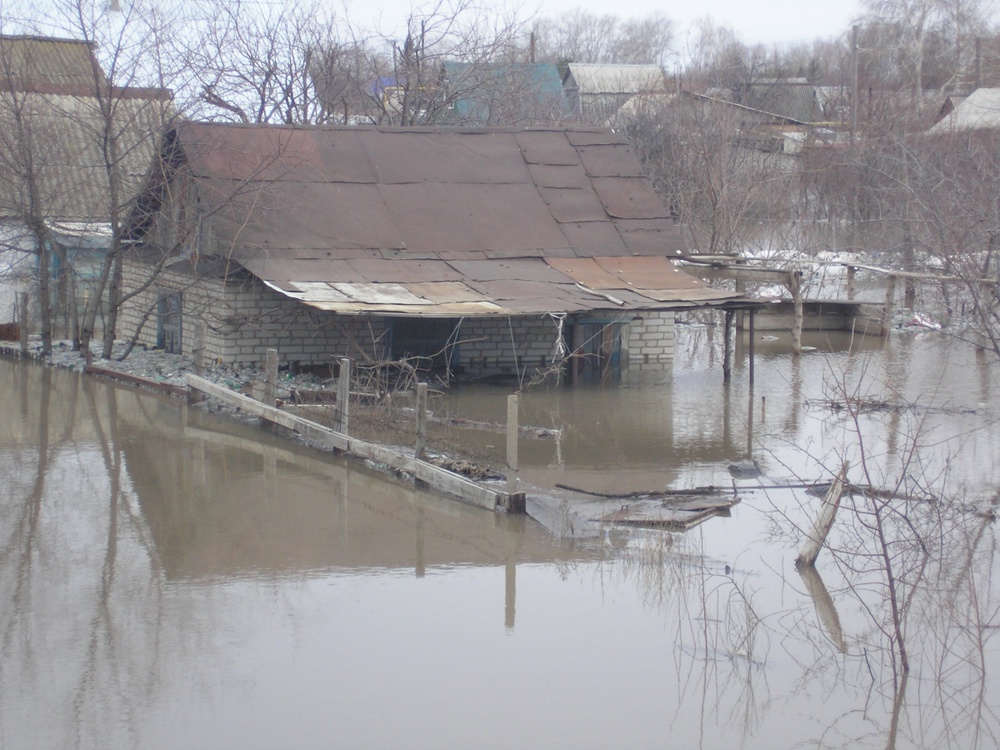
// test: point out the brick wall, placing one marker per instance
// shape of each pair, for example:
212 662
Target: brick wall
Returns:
508 346
243 319
648 347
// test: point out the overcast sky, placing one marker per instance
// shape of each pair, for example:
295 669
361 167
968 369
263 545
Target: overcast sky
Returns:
755 21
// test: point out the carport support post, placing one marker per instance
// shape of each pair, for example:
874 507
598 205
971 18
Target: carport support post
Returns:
421 446
23 320
795 287
512 430
727 348
270 377
890 299
753 317
344 396
198 348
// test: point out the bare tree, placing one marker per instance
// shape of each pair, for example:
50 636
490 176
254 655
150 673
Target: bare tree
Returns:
580 36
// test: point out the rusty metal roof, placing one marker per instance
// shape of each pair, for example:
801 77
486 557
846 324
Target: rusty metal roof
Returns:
440 221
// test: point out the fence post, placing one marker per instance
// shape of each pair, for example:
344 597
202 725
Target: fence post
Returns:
344 396
421 445
824 521
512 430
271 377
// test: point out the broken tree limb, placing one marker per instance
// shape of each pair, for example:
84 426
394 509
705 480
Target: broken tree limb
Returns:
824 522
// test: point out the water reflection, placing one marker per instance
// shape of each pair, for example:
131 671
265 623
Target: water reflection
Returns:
168 579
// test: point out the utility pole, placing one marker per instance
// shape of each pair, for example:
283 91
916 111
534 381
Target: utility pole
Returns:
854 81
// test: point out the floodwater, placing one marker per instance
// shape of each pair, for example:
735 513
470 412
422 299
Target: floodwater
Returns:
172 580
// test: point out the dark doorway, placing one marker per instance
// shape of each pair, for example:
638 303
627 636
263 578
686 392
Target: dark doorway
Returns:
432 342
597 349
168 323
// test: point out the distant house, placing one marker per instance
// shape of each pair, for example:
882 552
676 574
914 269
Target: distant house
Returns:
980 110
504 93
479 251
791 98
766 132
56 90
596 92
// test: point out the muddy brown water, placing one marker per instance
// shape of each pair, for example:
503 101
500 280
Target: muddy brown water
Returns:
169 579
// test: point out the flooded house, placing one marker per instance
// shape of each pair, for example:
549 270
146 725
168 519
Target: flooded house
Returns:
58 113
476 252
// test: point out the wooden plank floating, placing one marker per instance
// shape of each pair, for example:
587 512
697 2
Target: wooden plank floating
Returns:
435 477
682 515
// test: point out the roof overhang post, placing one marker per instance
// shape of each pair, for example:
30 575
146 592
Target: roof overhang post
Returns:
794 285
727 348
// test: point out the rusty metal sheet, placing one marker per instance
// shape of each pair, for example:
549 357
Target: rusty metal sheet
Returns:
244 153
572 205
648 272
593 238
546 147
301 270
403 271
560 176
446 292
319 291
629 198
444 156
520 269
699 294
467 309
656 242
585 271
485 217
616 160
301 215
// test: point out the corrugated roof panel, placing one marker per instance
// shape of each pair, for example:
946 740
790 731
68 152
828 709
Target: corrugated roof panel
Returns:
36 61
573 205
628 198
318 291
67 153
547 147
593 78
380 294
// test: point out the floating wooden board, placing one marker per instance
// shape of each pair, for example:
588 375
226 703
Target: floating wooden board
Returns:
655 514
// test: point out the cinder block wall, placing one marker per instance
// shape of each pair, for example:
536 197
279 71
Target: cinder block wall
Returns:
508 346
649 340
245 319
